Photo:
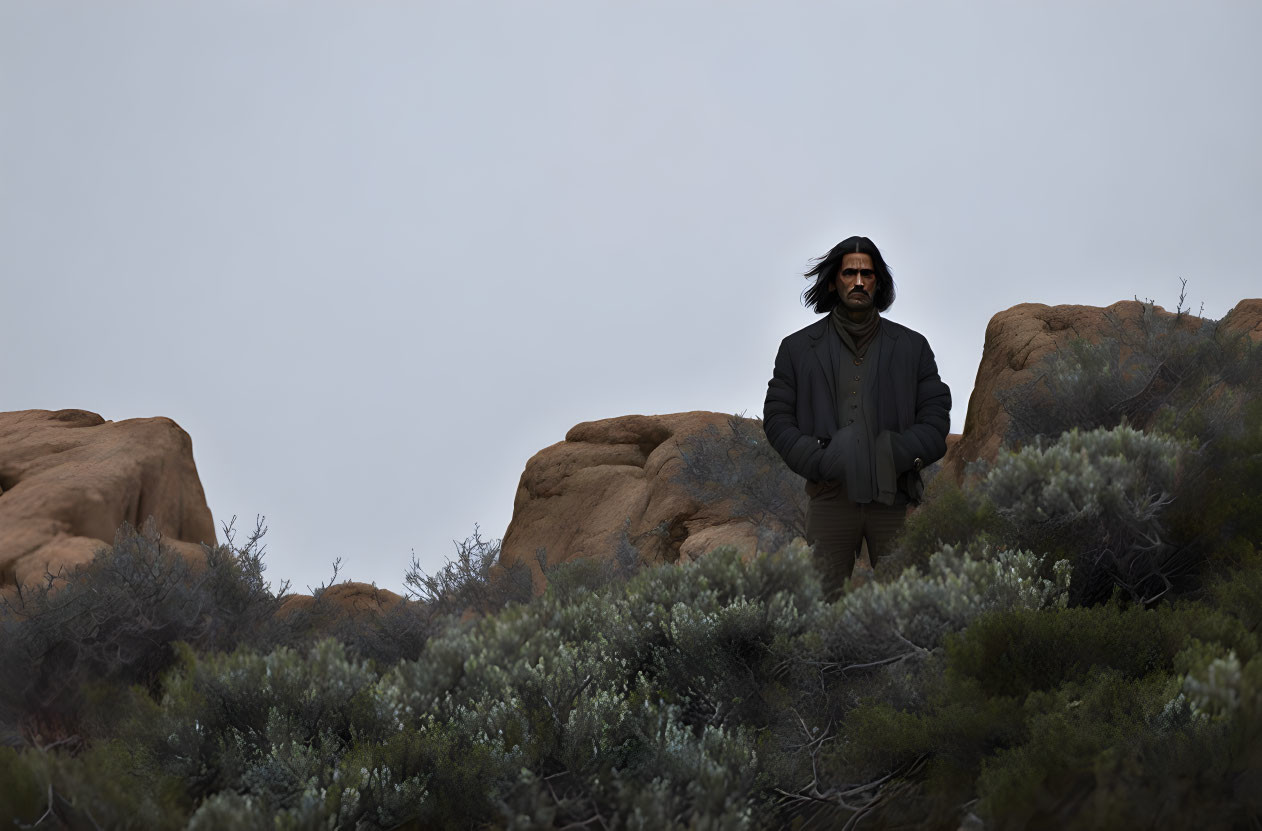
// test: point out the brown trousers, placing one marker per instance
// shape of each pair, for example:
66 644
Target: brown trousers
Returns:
837 528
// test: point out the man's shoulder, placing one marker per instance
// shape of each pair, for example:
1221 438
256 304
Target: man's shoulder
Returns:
810 332
898 330
816 329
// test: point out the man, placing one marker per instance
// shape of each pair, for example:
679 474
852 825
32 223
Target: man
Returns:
855 406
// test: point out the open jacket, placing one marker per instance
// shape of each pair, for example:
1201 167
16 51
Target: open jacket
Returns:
903 395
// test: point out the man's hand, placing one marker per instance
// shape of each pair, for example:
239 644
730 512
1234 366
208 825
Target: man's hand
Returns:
832 467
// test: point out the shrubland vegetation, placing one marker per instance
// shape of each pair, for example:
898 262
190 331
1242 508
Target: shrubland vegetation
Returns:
1068 639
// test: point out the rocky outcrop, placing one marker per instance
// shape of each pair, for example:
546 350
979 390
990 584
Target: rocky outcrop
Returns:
576 497
1018 339
349 599
1245 317
69 479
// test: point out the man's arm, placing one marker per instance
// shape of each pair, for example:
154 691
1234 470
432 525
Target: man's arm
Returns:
926 438
800 452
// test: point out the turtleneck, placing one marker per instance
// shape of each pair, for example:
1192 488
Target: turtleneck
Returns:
856 334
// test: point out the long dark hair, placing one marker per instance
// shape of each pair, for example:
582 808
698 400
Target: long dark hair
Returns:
821 296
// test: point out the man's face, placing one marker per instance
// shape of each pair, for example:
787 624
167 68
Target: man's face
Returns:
856 282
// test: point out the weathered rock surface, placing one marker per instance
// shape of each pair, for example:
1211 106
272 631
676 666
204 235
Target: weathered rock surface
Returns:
1018 339
349 599
69 479
1245 317
575 497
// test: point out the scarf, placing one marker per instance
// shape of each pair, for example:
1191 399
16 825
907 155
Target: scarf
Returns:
856 335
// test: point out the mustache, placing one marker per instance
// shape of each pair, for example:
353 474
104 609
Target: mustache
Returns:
858 291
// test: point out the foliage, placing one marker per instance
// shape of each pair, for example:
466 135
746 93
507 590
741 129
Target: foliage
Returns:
722 693
114 620
1072 640
738 464
469 583
99 787
1099 496
949 515
1172 372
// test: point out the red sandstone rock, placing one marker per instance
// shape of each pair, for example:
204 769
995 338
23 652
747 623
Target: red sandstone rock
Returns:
575 496
69 479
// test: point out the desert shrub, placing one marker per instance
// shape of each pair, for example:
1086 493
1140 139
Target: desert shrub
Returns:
289 737
1079 385
472 582
571 580
882 642
719 693
227 719
385 635
950 514
606 695
1050 716
1167 371
738 464
619 701
396 633
1098 497
96 788
1017 650
1221 506
913 614
113 621
1069 733
1239 592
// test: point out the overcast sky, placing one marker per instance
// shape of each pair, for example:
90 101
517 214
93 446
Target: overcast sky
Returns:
373 256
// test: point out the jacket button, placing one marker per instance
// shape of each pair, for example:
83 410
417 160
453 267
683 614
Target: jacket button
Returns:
858 361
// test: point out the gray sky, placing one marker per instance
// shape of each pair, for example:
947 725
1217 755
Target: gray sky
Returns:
373 256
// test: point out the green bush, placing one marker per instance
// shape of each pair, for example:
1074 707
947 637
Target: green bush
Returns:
739 466
1099 498
1019 650
100 787
468 583
113 623
964 689
949 515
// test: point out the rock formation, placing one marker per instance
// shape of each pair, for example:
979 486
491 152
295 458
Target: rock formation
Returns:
1245 317
69 479
348 599
576 497
1018 339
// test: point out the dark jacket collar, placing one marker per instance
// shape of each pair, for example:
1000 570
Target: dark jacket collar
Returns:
827 346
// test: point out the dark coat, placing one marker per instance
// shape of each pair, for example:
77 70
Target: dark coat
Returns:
903 392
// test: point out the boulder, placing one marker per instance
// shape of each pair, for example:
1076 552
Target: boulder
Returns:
69 479
576 497
1018 339
1245 317
349 599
